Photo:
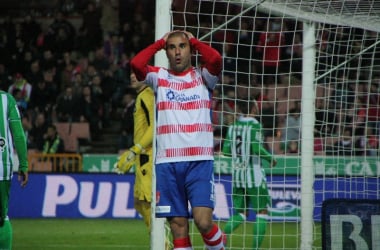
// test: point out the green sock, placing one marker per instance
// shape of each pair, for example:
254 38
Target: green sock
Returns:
6 235
233 223
259 229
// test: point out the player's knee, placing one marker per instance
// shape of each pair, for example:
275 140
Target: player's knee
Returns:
204 225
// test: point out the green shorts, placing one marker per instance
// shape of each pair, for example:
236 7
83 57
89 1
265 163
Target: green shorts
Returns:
5 187
257 198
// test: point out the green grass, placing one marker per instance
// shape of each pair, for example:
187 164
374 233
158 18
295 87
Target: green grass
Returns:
85 234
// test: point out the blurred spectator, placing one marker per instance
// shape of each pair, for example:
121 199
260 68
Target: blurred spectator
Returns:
34 73
267 115
128 103
66 70
373 103
66 107
36 134
90 110
292 127
294 53
53 144
27 126
90 32
114 48
100 61
77 84
269 45
20 101
17 56
21 84
345 145
48 60
42 98
60 31
51 83
69 7
31 29
109 21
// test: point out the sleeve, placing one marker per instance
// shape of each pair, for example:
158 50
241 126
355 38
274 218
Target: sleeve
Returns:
147 105
18 134
210 56
139 64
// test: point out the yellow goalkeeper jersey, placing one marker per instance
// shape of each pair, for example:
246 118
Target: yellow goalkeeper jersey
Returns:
143 135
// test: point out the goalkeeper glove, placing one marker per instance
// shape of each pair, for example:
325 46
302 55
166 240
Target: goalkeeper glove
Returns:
125 162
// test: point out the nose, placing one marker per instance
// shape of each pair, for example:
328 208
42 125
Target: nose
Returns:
177 50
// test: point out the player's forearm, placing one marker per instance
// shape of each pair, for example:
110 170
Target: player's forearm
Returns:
20 144
262 152
210 56
146 141
139 64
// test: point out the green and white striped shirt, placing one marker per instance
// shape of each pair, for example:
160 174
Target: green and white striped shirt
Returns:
244 143
11 136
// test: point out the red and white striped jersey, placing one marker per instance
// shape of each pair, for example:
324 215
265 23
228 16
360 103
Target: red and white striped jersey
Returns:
184 130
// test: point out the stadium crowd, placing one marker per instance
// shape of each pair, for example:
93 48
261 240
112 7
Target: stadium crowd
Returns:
64 71
61 72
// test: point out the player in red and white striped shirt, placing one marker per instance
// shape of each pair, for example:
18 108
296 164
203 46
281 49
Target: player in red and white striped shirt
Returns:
184 134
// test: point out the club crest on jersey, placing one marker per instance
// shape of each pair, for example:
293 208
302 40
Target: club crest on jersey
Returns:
2 144
181 97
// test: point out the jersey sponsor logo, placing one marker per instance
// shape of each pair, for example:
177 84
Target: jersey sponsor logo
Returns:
181 97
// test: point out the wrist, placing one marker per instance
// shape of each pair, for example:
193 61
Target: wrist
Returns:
137 149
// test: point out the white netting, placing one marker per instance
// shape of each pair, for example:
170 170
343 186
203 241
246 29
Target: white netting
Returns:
262 44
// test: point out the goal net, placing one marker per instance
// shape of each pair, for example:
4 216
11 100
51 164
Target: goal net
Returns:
313 68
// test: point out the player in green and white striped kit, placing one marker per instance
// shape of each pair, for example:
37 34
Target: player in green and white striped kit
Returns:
244 143
11 135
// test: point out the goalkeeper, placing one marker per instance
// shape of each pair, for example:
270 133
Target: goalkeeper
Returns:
243 143
140 155
11 136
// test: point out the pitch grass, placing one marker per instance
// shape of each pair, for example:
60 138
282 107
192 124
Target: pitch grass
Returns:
86 234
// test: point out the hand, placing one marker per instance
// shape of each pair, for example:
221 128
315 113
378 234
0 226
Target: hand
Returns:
125 162
23 178
189 35
273 163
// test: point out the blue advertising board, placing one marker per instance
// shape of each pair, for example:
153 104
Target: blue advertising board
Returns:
106 195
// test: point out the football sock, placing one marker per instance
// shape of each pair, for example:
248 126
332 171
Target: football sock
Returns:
259 229
233 223
182 244
6 235
214 239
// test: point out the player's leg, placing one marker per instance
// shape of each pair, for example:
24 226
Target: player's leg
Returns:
260 203
239 203
179 227
200 190
5 225
172 203
143 187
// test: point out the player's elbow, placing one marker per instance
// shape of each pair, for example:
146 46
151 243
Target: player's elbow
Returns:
215 64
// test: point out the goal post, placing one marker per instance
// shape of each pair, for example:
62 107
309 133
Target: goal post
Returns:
158 232
307 135
313 67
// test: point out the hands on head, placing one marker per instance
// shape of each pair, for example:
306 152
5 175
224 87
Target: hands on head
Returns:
187 33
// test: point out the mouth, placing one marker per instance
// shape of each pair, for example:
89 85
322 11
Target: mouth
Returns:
177 60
